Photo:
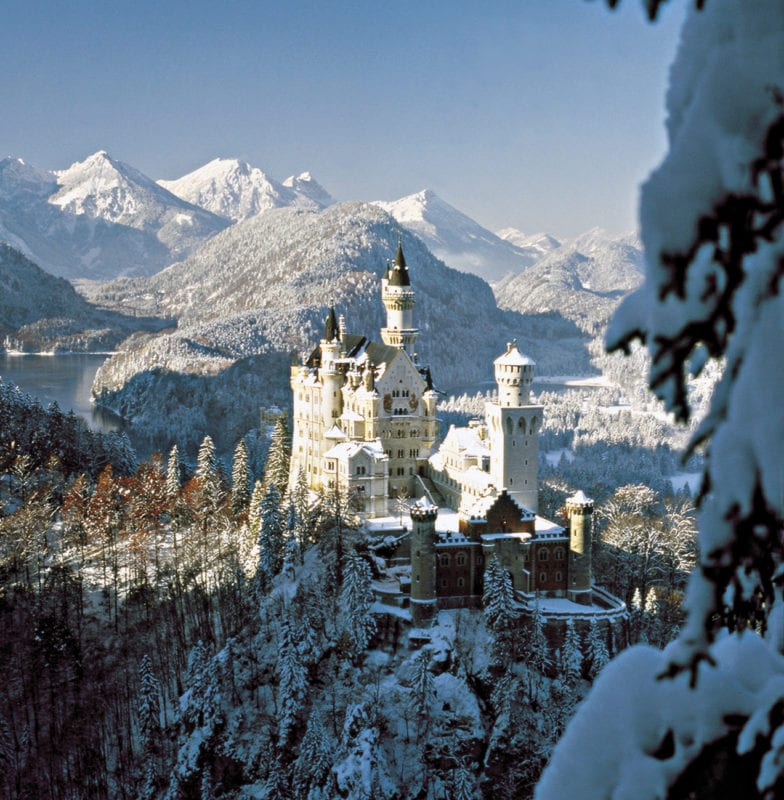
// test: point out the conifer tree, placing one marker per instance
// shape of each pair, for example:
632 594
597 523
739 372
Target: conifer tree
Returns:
314 763
571 656
254 508
173 474
423 691
300 497
292 552
598 653
208 477
292 681
270 538
498 597
279 456
356 600
149 723
240 480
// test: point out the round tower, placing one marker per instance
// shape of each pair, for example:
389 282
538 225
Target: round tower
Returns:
579 511
513 428
514 374
399 300
424 603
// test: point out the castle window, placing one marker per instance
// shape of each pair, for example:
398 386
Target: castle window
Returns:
460 583
542 577
401 453
558 577
443 560
543 554
480 560
558 554
444 583
361 470
460 559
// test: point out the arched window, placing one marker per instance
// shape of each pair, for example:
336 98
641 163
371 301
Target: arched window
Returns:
443 560
509 426
543 554
558 577
558 554
460 583
460 559
521 424
542 577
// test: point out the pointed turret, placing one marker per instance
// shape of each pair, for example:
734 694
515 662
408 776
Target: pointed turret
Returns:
399 301
398 275
331 330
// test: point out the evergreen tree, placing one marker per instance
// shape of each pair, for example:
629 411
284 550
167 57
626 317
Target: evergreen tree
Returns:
208 478
292 681
314 763
270 538
598 654
149 723
300 497
240 480
498 597
571 656
173 474
356 600
423 691
463 784
279 457
254 507
292 552
537 654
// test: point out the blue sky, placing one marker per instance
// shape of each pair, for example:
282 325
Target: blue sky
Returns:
539 114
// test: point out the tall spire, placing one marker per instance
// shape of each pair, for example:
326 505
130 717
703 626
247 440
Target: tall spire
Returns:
398 275
331 330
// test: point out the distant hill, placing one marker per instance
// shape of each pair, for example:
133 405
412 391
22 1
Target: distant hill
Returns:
235 190
39 311
260 290
583 280
535 245
457 239
97 219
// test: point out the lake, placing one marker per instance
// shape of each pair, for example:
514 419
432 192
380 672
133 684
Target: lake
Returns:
65 379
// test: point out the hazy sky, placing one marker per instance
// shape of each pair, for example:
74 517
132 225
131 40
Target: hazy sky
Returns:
539 114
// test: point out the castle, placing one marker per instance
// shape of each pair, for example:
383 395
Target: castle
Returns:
364 424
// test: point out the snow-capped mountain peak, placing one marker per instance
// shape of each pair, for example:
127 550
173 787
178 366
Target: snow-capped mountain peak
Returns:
306 186
456 238
537 244
236 190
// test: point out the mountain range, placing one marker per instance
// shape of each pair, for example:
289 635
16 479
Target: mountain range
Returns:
278 274
247 266
234 190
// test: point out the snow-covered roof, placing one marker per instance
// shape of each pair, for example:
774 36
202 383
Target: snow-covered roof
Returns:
483 504
351 449
545 529
335 433
513 357
352 416
465 441
580 499
521 536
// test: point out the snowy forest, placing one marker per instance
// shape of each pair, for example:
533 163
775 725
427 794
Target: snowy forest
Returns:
180 627
229 635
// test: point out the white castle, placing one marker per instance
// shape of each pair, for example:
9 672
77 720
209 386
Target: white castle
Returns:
364 424
364 418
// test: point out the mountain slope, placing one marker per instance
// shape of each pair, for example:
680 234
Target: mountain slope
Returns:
535 245
39 311
455 238
583 280
97 219
263 287
233 189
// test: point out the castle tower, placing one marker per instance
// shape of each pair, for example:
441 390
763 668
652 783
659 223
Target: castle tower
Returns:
329 373
579 510
399 300
423 564
513 427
